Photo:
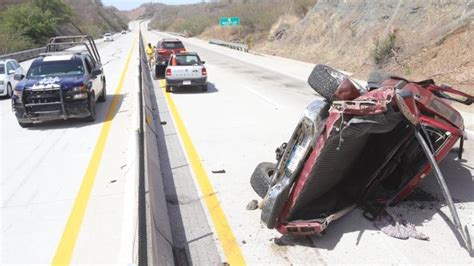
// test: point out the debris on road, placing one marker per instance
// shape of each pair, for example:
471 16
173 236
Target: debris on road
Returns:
253 205
401 229
222 171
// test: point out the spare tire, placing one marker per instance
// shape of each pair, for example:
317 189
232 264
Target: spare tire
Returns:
325 80
261 178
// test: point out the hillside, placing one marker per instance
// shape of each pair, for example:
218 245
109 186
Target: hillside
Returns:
48 18
416 39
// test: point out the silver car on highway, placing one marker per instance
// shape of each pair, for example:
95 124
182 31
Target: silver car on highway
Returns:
8 69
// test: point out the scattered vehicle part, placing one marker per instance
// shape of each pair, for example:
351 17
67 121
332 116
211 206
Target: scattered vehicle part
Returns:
61 85
164 49
398 229
222 171
185 70
8 69
361 146
252 205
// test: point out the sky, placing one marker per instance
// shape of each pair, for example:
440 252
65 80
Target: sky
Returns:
131 4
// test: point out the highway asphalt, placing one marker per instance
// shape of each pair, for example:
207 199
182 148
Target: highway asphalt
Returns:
253 103
68 187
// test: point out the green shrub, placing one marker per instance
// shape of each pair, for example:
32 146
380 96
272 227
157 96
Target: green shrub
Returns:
385 49
31 24
11 42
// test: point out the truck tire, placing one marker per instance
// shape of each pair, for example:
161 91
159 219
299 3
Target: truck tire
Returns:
103 95
204 87
261 178
325 80
91 107
25 124
168 88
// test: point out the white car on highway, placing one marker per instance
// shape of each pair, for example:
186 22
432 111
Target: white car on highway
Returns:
108 37
8 69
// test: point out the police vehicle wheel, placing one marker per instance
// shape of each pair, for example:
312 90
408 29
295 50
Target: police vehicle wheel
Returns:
91 108
103 95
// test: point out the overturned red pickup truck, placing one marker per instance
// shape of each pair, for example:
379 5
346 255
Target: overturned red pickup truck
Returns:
362 146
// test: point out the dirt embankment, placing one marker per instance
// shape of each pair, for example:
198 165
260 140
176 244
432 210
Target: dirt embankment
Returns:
417 39
93 18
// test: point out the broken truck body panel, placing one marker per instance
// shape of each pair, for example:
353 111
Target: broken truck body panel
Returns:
360 148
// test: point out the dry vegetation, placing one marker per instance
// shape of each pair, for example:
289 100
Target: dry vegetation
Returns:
257 16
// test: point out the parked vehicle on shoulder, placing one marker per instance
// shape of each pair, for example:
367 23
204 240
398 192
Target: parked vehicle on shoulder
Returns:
61 85
185 70
108 37
8 69
164 49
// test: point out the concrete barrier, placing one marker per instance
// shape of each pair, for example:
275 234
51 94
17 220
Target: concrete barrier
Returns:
32 53
156 243
24 55
232 45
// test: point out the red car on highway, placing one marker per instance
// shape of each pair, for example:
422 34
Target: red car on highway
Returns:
164 49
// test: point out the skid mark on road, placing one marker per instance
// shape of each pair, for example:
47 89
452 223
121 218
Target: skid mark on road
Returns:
226 236
71 232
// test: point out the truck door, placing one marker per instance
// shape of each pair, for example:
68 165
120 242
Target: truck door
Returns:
93 81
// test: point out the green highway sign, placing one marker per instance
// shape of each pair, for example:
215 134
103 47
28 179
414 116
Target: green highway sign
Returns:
229 21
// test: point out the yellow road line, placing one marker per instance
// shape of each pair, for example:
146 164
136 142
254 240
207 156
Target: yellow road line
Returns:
226 236
68 240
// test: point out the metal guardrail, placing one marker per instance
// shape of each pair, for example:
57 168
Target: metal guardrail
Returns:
32 53
177 34
24 55
232 45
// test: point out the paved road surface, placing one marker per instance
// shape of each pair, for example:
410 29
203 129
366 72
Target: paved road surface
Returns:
42 169
253 104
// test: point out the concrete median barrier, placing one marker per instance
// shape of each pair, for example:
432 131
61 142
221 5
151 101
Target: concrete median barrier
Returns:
155 243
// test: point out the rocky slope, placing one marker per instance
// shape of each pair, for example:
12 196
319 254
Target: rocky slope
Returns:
416 38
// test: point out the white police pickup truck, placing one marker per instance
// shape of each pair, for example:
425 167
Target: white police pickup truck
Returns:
185 70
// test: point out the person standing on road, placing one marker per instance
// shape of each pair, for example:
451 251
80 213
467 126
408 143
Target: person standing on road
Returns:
150 52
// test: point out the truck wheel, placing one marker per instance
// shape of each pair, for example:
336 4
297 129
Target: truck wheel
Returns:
25 124
204 87
91 108
325 80
9 90
261 178
103 95
168 88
